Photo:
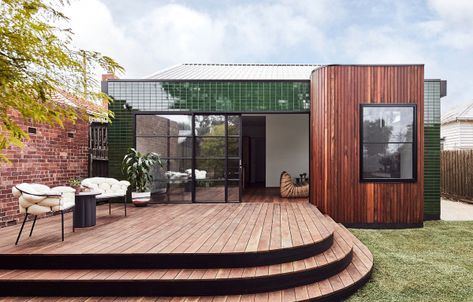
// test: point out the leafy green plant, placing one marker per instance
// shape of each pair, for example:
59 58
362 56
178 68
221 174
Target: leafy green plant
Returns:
136 166
74 182
38 61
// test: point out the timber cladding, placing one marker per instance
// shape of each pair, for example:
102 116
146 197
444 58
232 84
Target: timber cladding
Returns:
337 91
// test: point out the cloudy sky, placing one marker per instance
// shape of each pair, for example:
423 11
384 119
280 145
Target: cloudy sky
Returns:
148 35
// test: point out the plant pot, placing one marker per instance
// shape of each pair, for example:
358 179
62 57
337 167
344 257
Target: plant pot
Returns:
77 190
140 199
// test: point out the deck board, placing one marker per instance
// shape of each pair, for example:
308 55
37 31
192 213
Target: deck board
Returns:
188 228
206 229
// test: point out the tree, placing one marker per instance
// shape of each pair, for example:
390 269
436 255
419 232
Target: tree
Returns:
372 132
37 59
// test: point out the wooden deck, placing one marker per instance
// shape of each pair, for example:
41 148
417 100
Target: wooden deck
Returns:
187 228
268 251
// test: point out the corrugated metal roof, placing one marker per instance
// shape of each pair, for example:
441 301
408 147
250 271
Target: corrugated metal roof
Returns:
236 72
461 114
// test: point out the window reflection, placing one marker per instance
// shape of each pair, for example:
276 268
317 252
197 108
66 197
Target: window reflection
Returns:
214 144
388 138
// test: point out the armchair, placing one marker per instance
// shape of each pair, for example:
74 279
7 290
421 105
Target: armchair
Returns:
109 188
36 199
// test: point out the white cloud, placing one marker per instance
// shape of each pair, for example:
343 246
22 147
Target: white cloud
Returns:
381 45
95 29
454 22
174 33
152 35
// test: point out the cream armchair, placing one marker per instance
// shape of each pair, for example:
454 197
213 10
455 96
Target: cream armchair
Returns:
109 188
36 199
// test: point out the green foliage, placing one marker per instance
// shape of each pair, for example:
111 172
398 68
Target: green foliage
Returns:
37 60
374 133
74 182
211 147
137 166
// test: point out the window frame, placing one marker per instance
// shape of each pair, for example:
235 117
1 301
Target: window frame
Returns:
414 142
194 156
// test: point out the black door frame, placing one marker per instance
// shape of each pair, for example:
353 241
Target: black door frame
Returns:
194 155
192 114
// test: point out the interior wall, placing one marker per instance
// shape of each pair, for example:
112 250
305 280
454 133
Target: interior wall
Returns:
287 146
254 131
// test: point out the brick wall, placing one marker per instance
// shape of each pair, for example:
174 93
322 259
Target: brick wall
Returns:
50 157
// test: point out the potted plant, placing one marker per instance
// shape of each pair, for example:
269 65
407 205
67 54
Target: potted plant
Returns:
75 183
137 166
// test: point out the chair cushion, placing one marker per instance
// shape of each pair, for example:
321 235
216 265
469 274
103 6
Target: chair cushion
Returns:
173 175
38 199
106 185
199 174
109 195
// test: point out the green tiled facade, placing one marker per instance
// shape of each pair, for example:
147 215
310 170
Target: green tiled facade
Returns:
195 96
248 97
432 149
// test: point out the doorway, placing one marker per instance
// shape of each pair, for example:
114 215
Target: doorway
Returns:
253 151
273 143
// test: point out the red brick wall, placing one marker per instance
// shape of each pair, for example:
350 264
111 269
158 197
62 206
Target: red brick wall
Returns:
50 157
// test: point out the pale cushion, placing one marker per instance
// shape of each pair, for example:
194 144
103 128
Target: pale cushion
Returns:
173 175
37 199
199 174
108 195
106 186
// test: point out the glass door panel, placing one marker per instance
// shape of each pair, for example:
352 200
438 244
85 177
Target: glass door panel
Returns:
200 155
217 158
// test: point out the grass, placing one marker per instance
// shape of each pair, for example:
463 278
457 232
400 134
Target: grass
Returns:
434 263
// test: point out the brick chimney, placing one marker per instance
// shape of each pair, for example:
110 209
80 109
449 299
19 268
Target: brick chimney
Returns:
106 77
109 76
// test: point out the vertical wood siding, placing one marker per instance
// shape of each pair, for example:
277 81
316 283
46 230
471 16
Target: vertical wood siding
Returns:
457 174
336 94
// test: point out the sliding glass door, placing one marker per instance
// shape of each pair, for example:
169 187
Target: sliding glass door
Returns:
201 156
217 158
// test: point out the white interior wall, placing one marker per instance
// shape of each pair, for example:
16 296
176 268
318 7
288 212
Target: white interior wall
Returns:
287 146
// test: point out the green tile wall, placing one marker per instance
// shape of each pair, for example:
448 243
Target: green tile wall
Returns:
249 96
432 149
213 96
120 137
194 96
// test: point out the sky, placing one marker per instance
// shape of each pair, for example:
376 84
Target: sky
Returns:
145 36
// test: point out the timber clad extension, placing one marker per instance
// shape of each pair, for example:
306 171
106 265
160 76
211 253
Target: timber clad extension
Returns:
337 93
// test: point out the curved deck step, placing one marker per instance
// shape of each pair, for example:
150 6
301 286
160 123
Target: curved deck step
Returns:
334 288
187 236
223 281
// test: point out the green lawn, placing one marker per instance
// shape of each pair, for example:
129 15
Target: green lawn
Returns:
434 263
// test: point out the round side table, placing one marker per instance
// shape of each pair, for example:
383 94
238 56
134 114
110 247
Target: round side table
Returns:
85 209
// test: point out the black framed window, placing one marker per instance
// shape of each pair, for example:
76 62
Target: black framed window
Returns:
169 135
200 154
388 143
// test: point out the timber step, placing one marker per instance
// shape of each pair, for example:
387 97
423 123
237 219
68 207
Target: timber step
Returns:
170 282
335 288
166 260
187 236
335 265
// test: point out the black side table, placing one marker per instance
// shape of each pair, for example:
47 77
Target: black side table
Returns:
300 182
85 209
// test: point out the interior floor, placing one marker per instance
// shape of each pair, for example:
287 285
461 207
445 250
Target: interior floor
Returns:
261 194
